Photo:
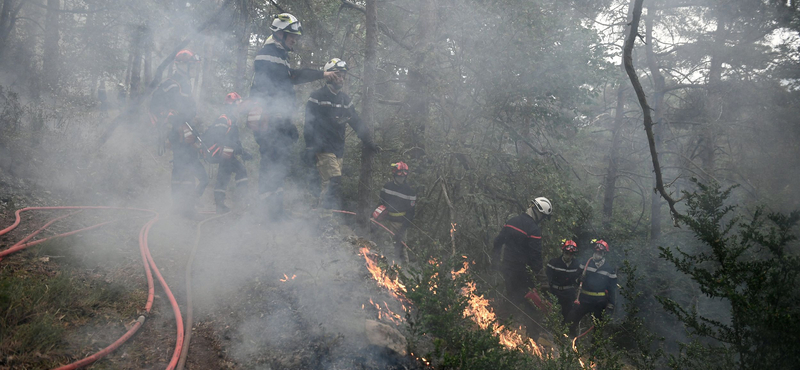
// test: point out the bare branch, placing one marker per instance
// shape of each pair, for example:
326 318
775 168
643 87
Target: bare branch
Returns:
648 120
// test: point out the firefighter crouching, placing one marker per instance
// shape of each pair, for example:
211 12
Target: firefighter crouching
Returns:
396 208
273 96
517 247
172 108
328 112
598 287
224 145
562 276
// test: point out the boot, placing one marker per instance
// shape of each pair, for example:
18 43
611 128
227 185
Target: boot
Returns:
219 200
333 195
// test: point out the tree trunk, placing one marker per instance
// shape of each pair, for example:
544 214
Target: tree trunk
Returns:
367 103
659 86
206 93
419 101
610 182
713 108
50 54
242 47
136 64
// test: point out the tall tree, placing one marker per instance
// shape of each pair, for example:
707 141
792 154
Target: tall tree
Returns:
367 110
51 55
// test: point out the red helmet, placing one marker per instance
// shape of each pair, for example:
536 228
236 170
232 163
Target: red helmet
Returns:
400 168
600 245
569 246
233 98
186 56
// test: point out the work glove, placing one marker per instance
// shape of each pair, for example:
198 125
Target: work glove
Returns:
610 307
246 156
310 156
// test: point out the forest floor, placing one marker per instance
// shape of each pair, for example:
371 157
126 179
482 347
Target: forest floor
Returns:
294 295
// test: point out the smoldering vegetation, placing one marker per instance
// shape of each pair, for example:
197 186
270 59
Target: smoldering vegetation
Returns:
490 103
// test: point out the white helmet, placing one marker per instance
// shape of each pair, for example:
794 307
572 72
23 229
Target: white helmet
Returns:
335 65
287 23
543 205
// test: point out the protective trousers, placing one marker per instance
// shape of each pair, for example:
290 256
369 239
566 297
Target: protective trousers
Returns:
330 174
226 168
272 170
588 304
565 300
399 230
186 167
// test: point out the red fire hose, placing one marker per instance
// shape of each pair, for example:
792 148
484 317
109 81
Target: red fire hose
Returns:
149 266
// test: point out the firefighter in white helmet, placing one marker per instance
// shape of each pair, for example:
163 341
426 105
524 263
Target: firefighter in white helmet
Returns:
517 247
328 112
273 96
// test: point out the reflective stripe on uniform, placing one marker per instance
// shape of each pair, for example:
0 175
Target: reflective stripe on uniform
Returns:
520 230
399 195
593 294
240 180
331 104
560 269
273 59
601 272
219 191
397 214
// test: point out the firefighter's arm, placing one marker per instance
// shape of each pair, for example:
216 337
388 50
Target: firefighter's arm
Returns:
361 129
612 289
301 76
535 257
497 249
309 126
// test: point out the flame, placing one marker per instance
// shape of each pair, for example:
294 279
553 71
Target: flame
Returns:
397 289
478 308
452 228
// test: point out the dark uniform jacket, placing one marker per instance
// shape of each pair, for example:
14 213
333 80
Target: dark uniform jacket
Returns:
400 200
273 86
274 80
599 283
172 106
224 132
174 95
561 277
523 240
327 116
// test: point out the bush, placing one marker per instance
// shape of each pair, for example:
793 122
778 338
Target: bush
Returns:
748 265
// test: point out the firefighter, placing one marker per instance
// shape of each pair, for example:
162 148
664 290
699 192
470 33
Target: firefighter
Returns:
396 208
274 98
224 145
562 276
328 112
172 108
518 247
598 287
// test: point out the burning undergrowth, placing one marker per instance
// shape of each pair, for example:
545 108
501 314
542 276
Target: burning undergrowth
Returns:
447 312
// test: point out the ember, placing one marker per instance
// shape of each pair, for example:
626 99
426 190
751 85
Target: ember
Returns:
287 278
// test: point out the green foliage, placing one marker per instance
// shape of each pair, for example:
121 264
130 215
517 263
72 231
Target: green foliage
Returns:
747 265
439 313
640 346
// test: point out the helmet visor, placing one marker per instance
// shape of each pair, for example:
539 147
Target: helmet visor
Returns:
294 28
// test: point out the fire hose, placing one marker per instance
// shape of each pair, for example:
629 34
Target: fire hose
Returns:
189 313
149 265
